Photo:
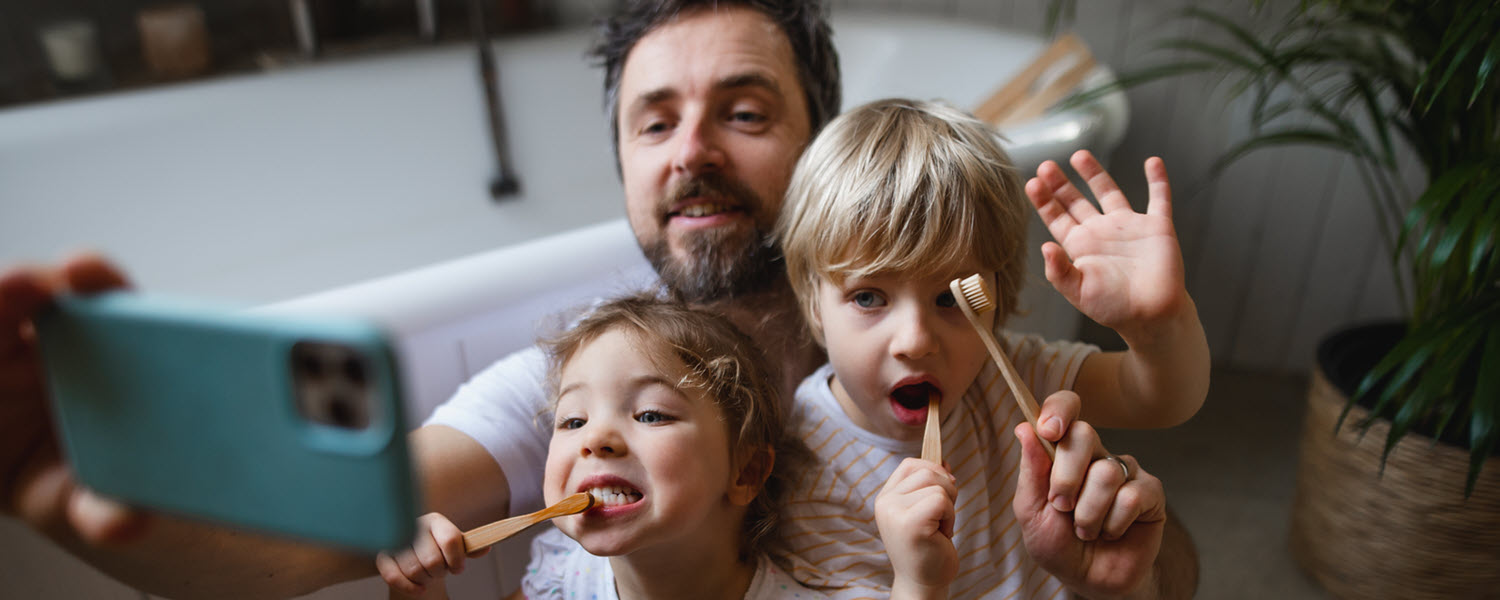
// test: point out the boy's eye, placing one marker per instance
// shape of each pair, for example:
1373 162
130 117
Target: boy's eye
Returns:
867 299
651 417
946 300
572 423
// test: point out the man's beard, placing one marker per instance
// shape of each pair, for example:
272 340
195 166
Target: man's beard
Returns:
718 264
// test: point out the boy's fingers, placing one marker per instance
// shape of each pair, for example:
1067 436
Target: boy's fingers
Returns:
1058 413
1064 194
1160 203
1100 183
1060 271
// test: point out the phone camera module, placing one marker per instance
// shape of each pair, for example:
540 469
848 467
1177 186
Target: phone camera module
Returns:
331 382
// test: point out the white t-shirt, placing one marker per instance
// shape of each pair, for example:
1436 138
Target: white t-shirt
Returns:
830 521
503 409
560 569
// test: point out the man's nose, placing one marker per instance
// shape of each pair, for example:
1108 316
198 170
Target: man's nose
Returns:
699 146
914 336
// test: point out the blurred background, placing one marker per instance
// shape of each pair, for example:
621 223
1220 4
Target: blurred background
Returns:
1279 250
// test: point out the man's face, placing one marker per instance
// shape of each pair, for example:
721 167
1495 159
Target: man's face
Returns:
712 119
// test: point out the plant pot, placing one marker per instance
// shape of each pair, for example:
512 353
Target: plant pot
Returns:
1407 533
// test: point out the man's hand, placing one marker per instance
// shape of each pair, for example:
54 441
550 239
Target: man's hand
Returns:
915 513
1081 519
1121 268
37 484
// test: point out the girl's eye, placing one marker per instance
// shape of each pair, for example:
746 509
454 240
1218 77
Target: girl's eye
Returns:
946 300
867 299
651 417
573 423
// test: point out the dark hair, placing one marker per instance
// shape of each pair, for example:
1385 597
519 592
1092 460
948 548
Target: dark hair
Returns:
803 22
730 369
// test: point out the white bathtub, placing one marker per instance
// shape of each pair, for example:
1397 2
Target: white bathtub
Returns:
361 186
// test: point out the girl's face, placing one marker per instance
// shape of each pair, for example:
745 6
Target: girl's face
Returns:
654 455
894 340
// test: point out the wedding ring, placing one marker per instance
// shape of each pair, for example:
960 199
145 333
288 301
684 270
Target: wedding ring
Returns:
1123 466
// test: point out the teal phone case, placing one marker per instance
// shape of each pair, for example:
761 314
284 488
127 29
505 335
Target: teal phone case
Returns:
201 411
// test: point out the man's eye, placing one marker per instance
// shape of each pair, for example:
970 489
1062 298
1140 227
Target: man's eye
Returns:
867 299
573 423
651 417
946 300
746 116
654 127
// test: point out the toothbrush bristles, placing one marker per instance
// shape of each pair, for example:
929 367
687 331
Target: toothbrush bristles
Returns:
977 293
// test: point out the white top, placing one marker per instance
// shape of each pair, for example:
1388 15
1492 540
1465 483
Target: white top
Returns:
830 521
561 569
504 409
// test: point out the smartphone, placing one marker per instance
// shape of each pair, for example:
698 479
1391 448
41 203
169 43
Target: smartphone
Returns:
285 425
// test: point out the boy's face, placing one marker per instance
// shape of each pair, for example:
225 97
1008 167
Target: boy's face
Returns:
655 455
894 339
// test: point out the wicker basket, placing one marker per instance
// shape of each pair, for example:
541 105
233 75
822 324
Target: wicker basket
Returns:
1406 534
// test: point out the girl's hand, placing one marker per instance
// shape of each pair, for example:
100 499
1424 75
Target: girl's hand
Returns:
437 551
914 512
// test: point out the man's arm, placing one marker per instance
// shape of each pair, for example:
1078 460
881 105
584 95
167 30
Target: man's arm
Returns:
181 558
167 555
1176 571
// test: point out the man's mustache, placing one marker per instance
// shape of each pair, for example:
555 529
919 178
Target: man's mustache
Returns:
710 185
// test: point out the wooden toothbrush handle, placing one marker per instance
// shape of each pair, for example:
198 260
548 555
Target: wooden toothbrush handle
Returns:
1018 388
485 536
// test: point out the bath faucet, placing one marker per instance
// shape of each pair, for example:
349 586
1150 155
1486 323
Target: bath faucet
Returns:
504 182
306 29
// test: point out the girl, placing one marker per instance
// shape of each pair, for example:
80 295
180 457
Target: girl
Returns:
670 417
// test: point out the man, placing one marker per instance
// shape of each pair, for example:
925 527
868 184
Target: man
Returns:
711 104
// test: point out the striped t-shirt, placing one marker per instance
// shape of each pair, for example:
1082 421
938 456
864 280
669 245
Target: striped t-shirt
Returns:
830 520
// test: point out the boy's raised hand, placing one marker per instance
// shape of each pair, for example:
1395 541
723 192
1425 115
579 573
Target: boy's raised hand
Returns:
1081 518
1120 267
915 513
437 550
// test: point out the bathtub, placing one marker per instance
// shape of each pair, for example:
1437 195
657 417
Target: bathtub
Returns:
360 186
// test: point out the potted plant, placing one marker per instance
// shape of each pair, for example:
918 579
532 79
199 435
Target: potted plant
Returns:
1396 495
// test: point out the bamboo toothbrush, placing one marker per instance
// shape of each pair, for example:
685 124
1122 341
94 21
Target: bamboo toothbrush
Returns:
975 298
485 536
932 438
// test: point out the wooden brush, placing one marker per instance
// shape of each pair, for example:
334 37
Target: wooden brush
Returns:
485 536
932 438
975 298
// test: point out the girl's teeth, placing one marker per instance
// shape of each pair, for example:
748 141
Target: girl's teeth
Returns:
615 495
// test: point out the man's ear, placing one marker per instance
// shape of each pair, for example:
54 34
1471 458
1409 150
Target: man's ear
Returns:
752 476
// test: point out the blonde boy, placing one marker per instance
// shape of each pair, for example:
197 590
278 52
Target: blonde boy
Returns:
892 201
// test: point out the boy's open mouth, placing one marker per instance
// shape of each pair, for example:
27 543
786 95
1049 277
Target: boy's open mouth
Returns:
914 396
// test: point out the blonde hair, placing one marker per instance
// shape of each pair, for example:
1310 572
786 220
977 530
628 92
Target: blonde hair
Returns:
902 186
728 367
